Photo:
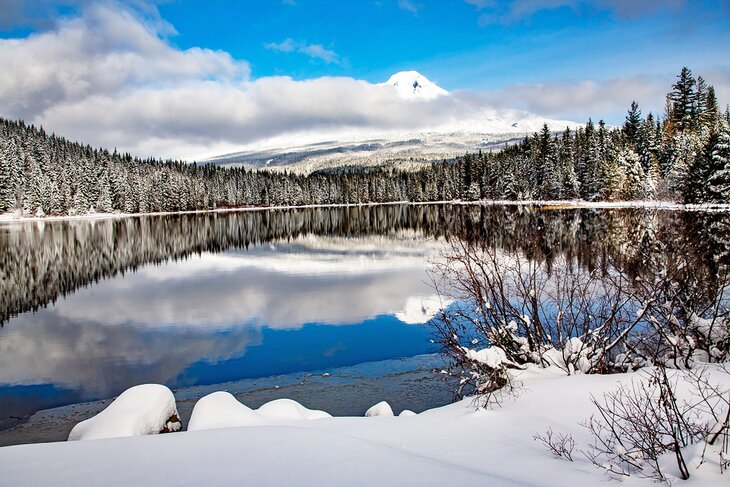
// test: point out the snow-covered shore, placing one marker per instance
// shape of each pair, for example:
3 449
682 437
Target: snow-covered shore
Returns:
551 204
454 445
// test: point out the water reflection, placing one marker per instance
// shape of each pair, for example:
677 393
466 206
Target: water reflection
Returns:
213 317
197 299
39 262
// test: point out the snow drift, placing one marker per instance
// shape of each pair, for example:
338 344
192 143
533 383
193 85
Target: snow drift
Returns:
459 444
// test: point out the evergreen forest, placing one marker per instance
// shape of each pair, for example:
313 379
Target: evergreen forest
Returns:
682 155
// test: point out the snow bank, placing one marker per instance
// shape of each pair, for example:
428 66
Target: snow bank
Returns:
458 444
147 409
380 409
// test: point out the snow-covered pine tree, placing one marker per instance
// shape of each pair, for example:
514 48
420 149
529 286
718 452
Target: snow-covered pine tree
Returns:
719 179
634 187
6 177
569 185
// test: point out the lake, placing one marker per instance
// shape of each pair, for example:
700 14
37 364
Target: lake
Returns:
329 302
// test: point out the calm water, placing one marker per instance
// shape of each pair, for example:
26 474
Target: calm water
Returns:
90 308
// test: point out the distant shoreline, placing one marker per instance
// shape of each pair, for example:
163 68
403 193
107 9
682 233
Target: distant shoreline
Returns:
549 204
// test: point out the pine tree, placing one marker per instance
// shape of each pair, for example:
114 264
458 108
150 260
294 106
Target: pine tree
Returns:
700 102
588 164
570 187
633 124
712 115
647 146
683 100
548 178
6 180
634 187
104 203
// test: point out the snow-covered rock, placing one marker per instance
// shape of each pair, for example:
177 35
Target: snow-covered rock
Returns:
146 409
412 85
287 409
222 410
380 409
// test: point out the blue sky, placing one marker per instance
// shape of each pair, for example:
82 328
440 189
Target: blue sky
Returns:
184 78
455 43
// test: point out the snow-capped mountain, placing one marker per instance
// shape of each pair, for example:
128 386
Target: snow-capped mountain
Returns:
462 125
413 85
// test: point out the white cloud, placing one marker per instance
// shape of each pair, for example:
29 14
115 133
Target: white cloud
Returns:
597 97
579 99
104 53
287 45
110 78
317 51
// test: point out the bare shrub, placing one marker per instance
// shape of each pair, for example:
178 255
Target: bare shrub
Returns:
686 322
513 310
560 445
638 423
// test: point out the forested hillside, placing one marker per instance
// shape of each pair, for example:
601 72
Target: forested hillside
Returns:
682 155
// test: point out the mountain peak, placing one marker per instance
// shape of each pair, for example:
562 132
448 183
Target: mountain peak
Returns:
413 85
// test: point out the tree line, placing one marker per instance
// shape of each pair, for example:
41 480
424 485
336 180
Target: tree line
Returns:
682 156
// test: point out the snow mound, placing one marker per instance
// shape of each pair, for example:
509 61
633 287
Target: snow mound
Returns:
146 409
406 413
413 85
380 409
288 409
222 410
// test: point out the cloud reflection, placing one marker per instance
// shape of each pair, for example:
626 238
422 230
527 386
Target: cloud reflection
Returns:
287 285
153 324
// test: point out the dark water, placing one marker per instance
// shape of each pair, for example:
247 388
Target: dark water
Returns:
90 308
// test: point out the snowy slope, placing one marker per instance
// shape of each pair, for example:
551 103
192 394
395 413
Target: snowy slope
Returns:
454 445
